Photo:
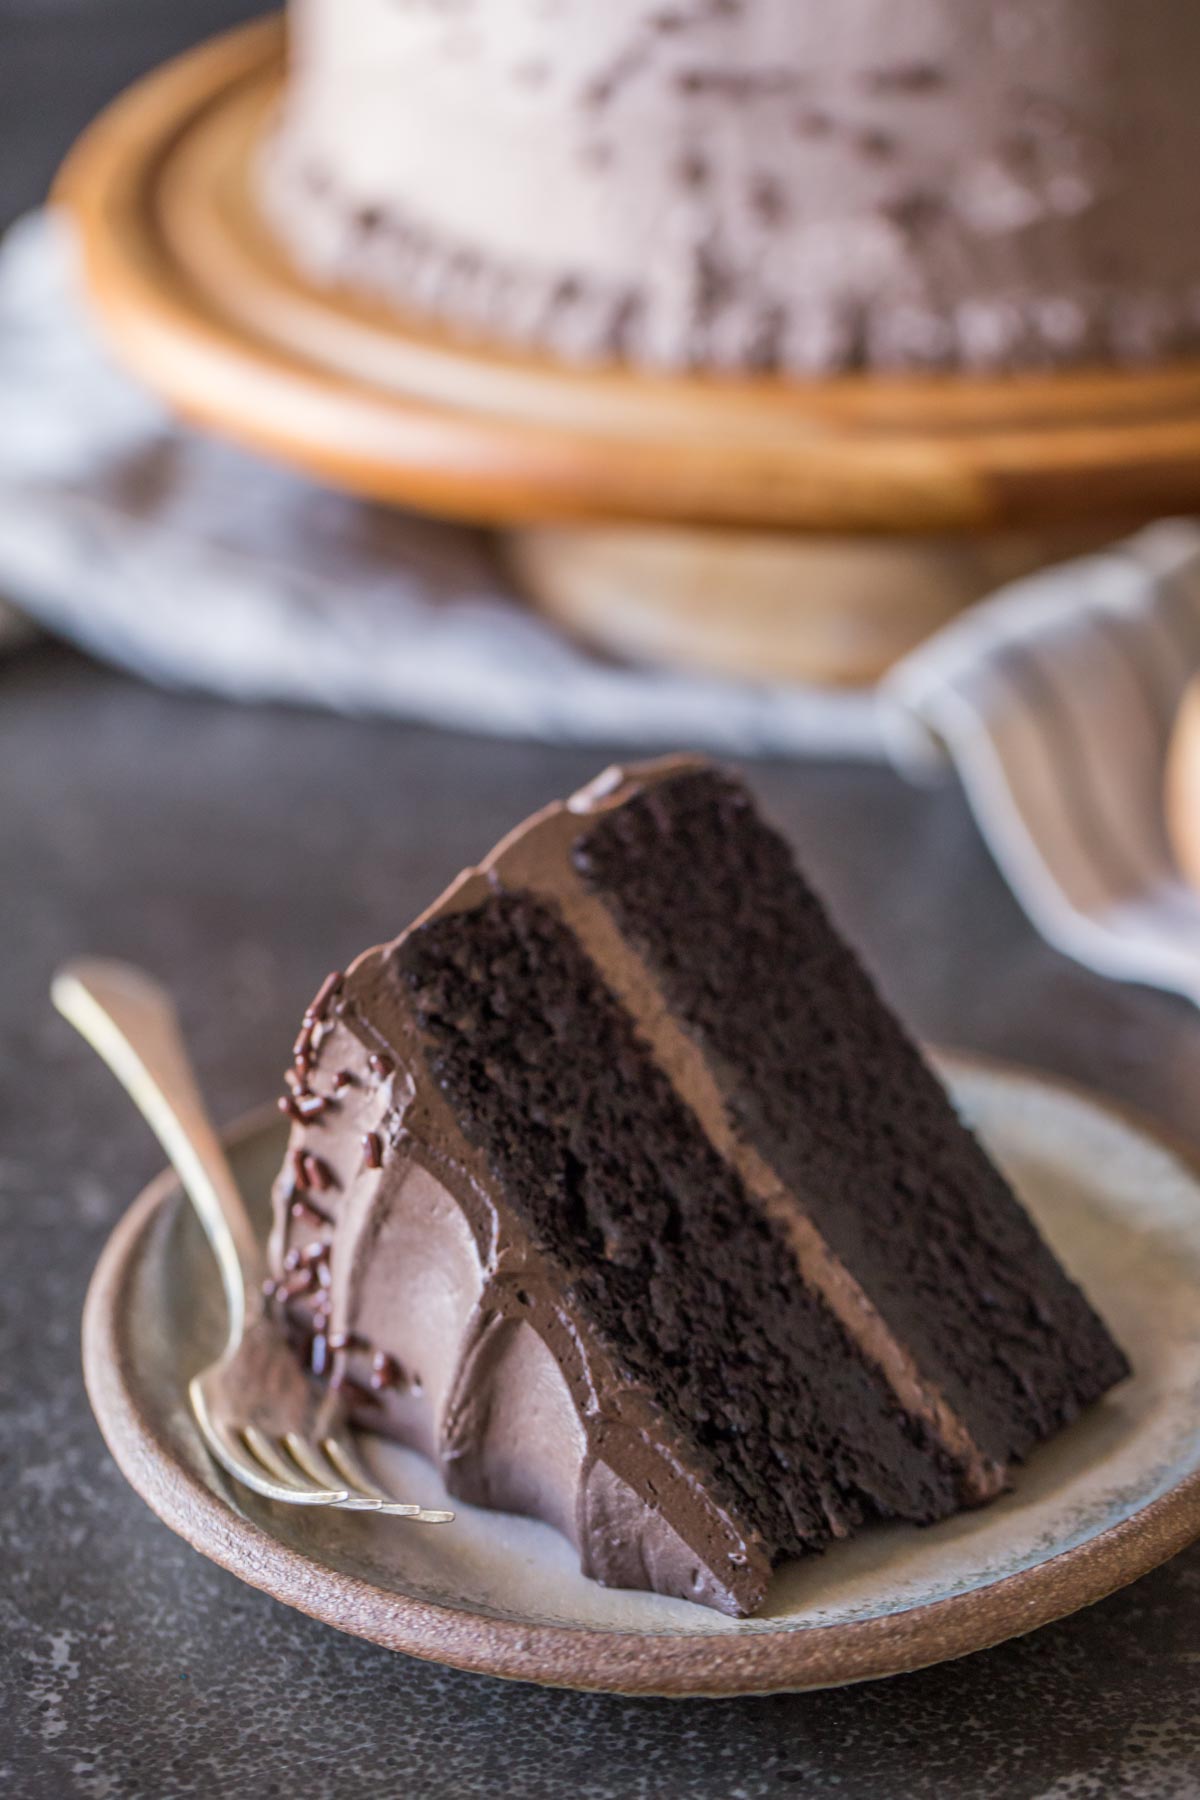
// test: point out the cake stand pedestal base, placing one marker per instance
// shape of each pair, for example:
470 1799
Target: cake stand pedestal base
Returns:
770 606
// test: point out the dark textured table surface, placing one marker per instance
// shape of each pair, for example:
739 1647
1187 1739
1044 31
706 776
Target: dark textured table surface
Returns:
241 854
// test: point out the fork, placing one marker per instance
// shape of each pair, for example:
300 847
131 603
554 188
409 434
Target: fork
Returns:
262 1417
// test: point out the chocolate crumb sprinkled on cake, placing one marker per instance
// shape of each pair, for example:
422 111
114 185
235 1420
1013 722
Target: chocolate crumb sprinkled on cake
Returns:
916 211
876 143
905 78
812 123
767 200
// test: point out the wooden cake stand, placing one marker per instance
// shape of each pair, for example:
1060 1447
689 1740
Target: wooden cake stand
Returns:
762 526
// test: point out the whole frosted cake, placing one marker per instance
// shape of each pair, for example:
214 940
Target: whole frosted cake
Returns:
794 185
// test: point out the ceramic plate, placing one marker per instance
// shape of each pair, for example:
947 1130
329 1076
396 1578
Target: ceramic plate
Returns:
1113 1496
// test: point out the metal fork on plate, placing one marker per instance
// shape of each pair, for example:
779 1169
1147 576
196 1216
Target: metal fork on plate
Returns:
261 1415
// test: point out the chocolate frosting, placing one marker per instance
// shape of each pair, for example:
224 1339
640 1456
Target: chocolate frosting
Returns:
759 186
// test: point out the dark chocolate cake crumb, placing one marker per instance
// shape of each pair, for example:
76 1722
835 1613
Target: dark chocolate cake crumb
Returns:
826 1083
548 1077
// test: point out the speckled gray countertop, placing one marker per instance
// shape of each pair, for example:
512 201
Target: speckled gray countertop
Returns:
239 854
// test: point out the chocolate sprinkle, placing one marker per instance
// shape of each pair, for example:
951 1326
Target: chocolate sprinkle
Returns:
308 1209
379 1065
342 1383
372 1151
318 1174
385 1371
343 1079
309 1106
325 993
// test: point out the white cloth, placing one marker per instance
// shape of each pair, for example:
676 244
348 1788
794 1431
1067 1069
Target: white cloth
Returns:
177 556
194 564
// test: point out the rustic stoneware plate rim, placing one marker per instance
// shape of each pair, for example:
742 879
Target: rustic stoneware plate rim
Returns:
785 1657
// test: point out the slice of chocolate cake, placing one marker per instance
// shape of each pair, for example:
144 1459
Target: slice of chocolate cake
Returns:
616 1189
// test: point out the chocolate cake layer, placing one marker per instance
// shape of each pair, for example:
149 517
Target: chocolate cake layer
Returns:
614 1188
822 1078
657 1243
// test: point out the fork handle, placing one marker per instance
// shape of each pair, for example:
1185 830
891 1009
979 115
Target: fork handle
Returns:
130 1020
